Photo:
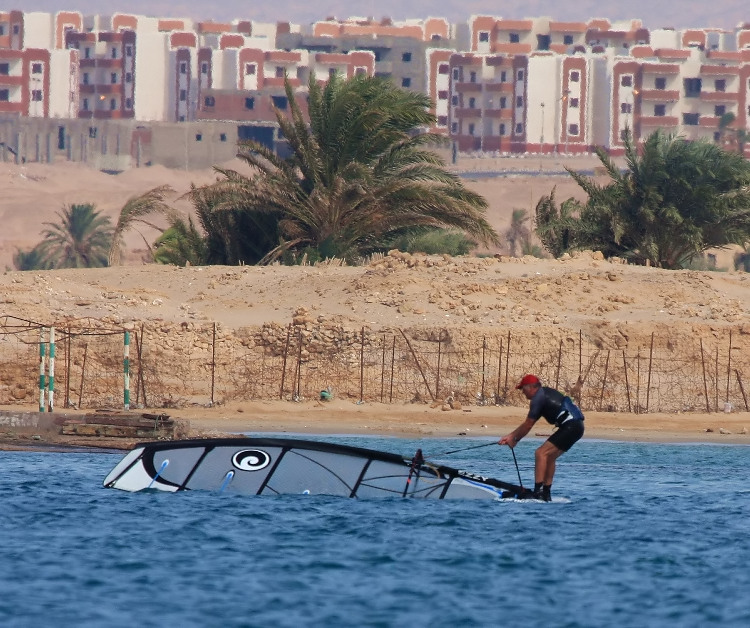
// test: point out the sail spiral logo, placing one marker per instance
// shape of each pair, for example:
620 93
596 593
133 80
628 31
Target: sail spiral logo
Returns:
251 460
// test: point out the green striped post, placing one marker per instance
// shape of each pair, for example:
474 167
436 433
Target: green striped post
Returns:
126 370
51 372
42 354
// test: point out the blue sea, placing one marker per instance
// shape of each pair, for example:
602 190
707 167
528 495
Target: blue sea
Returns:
637 535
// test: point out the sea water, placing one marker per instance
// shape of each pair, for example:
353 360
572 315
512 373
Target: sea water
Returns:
637 535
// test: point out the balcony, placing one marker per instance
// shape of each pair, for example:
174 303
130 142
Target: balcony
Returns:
720 97
660 95
660 121
464 88
499 114
503 88
467 112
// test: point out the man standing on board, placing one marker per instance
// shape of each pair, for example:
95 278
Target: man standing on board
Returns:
559 410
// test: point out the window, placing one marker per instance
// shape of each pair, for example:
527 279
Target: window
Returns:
503 102
514 38
85 104
406 82
471 128
2 30
568 40
4 69
36 68
519 129
443 68
359 71
455 74
204 68
85 78
443 95
249 69
250 103
519 76
113 78
280 102
626 80
720 85
112 104
503 77
36 95
720 110
574 103
717 136
198 137
331 72
573 129
128 77
472 103
454 127
454 101
183 68
279 71
472 77
519 101
113 53
626 107
502 130
624 134
660 82
690 119
692 87
128 103
442 120
406 57
87 53
183 95
209 101
128 51
92 132
222 137
484 36
660 110
575 77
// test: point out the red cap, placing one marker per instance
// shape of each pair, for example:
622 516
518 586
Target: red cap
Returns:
528 379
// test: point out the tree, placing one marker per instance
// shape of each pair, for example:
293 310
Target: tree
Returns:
135 211
181 244
675 199
359 172
81 239
518 233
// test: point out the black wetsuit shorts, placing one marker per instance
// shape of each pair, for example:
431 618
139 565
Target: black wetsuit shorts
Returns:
567 434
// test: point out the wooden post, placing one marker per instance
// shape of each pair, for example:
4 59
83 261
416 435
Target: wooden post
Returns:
213 364
126 371
437 375
42 367
298 370
141 380
51 376
650 364
382 372
559 364
499 371
729 364
83 373
283 363
507 362
627 385
705 383
484 350
716 380
66 400
362 365
393 361
604 381
742 388
419 366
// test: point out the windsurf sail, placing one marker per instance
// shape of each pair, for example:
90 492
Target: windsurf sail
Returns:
282 466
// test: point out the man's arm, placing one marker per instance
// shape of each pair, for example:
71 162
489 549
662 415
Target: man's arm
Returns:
517 434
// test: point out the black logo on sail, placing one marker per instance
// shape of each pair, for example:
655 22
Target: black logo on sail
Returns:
251 460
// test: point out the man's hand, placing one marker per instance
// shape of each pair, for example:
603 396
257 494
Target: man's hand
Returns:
510 440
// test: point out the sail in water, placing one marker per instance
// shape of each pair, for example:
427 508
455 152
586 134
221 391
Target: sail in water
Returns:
281 466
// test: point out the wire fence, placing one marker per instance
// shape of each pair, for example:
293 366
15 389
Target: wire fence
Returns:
92 365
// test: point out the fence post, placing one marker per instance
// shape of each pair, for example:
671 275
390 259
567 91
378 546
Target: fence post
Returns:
484 364
705 383
437 375
42 355
729 365
627 384
604 382
650 362
283 363
382 373
213 364
51 377
559 364
362 365
126 370
393 362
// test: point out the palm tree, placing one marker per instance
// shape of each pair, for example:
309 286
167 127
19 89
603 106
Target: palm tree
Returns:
359 171
181 244
135 211
81 239
675 200
518 233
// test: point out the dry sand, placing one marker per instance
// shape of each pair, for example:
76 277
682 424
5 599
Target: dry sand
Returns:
372 296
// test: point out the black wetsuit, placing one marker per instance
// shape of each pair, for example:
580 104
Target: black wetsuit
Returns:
559 410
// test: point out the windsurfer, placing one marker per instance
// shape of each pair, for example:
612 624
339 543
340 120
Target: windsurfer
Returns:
559 410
